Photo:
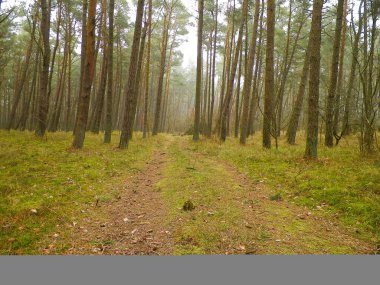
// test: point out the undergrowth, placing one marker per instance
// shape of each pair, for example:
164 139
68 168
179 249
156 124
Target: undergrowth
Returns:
45 185
341 182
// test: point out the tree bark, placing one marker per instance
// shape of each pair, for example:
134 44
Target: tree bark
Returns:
108 125
198 91
296 114
329 137
88 76
269 75
43 106
249 76
133 66
315 66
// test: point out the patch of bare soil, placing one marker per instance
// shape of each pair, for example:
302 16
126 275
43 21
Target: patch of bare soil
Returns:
134 224
281 227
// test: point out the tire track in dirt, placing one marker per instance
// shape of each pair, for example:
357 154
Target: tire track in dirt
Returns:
281 227
134 223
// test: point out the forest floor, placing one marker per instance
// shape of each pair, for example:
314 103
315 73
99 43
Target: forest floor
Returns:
247 200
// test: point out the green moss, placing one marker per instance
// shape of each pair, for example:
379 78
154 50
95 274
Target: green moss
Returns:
346 182
57 182
211 189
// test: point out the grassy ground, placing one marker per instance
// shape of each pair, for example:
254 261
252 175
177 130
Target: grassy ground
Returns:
215 225
341 183
44 185
247 200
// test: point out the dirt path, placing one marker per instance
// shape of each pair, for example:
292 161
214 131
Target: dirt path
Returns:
281 227
233 215
271 227
134 223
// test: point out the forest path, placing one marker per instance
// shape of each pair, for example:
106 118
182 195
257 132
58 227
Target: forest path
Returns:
134 223
234 215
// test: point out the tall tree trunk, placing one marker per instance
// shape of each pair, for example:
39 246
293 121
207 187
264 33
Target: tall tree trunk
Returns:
108 125
43 106
296 113
211 115
315 66
230 86
25 110
348 110
99 103
341 72
369 89
147 70
329 137
249 76
256 84
198 91
164 45
88 76
289 56
269 74
20 86
132 76
237 104
82 58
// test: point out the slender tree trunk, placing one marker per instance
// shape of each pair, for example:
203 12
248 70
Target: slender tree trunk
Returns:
341 71
132 76
25 110
348 110
108 125
211 115
147 70
249 76
256 84
269 74
296 114
99 103
164 45
230 86
329 138
237 105
20 86
199 73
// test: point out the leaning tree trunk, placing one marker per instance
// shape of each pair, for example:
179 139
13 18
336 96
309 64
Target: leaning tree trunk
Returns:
132 72
20 86
230 86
